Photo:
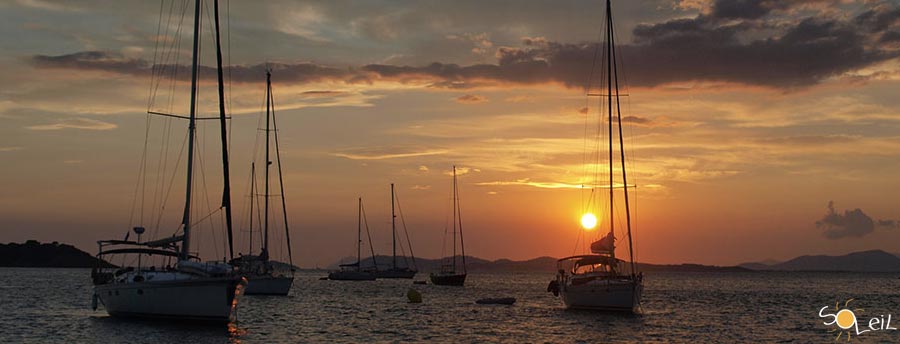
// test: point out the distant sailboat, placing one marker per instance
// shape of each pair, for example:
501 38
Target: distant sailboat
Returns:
599 280
449 275
259 270
354 271
190 289
396 271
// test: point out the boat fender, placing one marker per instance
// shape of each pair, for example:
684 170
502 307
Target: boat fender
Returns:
94 302
414 296
553 287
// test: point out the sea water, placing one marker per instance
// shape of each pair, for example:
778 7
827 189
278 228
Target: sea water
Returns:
54 306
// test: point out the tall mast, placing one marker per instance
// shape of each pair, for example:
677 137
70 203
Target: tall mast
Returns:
610 109
621 142
226 193
287 231
454 218
268 162
359 235
393 227
186 218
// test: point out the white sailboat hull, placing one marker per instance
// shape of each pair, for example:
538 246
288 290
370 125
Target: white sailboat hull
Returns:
268 285
209 299
611 295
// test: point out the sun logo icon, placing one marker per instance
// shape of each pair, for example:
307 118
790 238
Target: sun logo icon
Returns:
843 317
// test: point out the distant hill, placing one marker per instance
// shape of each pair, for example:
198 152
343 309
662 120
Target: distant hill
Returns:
53 255
865 261
540 264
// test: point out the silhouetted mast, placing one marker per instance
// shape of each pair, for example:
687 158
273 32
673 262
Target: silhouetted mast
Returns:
287 231
268 162
226 193
393 227
612 45
186 218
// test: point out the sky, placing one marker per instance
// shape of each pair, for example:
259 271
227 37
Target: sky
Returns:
753 129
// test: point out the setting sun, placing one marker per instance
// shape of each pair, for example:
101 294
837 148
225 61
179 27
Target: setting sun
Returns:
588 221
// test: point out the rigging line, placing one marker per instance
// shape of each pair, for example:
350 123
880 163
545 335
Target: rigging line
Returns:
159 177
228 33
144 168
138 182
369 235
158 69
201 161
172 180
174 55
258 210
153 67
462 241
408 242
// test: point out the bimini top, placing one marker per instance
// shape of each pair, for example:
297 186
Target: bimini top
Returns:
591 259
137 250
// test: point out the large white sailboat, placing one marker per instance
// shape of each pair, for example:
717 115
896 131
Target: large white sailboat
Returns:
599 280
261 274
182 287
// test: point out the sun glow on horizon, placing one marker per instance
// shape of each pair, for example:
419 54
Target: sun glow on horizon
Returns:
588 221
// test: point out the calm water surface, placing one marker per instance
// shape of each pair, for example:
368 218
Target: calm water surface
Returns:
54 306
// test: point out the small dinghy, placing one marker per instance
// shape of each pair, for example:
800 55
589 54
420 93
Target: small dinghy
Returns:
496 301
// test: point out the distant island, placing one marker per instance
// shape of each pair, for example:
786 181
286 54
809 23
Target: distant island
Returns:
46 255
541 264
865 261
33 254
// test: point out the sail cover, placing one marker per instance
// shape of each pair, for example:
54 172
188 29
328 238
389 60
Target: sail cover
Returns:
604 245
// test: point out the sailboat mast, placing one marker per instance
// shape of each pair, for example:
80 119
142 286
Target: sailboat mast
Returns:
226 192
393 227
359 236
454 218
621 141
186 218
266 210
287 231
610 120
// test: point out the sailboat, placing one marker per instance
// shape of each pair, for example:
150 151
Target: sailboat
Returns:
259 270
190 289
599 280
449 275
354 271
395 271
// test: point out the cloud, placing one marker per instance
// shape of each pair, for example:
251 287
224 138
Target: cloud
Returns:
471 99
423 168
323 93
113 62
852 223
75 123
461 171
10 149
421 187
379 153
889 224
744 42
